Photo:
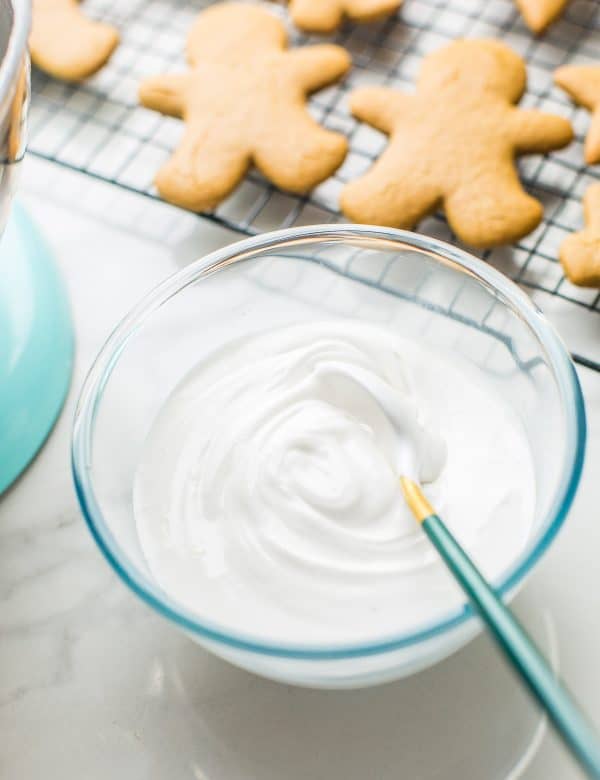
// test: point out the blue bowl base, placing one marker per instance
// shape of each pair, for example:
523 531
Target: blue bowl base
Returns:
36 346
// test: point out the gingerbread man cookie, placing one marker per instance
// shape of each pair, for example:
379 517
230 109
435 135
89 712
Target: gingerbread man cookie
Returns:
582 82
539 14
452 145
323 16
580 252
65 43
243 102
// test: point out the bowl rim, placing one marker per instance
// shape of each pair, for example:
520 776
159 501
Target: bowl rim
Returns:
99 374
16 46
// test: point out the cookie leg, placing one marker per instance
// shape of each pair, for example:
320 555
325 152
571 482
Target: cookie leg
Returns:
66 44
539 14
202 171
298 154
393 193
321 16
492 210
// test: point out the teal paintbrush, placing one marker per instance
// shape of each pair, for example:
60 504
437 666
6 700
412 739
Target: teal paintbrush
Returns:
510 636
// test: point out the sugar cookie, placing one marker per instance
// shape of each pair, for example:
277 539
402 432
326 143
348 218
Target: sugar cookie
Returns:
539 14
324 16
452 145
582 82
580 252
65 43
243 102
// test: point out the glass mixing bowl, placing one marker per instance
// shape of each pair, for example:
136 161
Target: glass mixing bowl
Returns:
419 287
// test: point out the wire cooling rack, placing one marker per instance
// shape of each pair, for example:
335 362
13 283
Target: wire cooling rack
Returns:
99 128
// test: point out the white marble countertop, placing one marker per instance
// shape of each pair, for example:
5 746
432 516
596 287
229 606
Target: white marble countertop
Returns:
95 685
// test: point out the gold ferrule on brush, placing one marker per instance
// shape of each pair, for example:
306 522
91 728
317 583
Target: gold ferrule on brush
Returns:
418 504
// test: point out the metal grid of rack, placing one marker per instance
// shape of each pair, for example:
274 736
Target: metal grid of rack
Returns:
99 128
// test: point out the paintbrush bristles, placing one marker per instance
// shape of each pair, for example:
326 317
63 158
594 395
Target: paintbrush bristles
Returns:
418 504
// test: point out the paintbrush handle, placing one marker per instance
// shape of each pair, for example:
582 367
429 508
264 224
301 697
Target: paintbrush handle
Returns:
519 648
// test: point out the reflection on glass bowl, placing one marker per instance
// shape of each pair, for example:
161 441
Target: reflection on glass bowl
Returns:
420 288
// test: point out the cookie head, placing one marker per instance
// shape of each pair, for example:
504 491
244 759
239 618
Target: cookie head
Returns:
232 32
476 65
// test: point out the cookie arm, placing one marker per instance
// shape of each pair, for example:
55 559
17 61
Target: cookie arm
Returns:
591 206
380 107
317 66
371 10
322 16
581 82
592 139
535 131
164 93
580 252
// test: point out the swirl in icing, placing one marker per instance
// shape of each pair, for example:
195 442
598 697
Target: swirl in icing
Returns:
267 498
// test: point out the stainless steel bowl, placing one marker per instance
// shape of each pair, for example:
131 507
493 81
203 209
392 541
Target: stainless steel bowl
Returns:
15 20
36 341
